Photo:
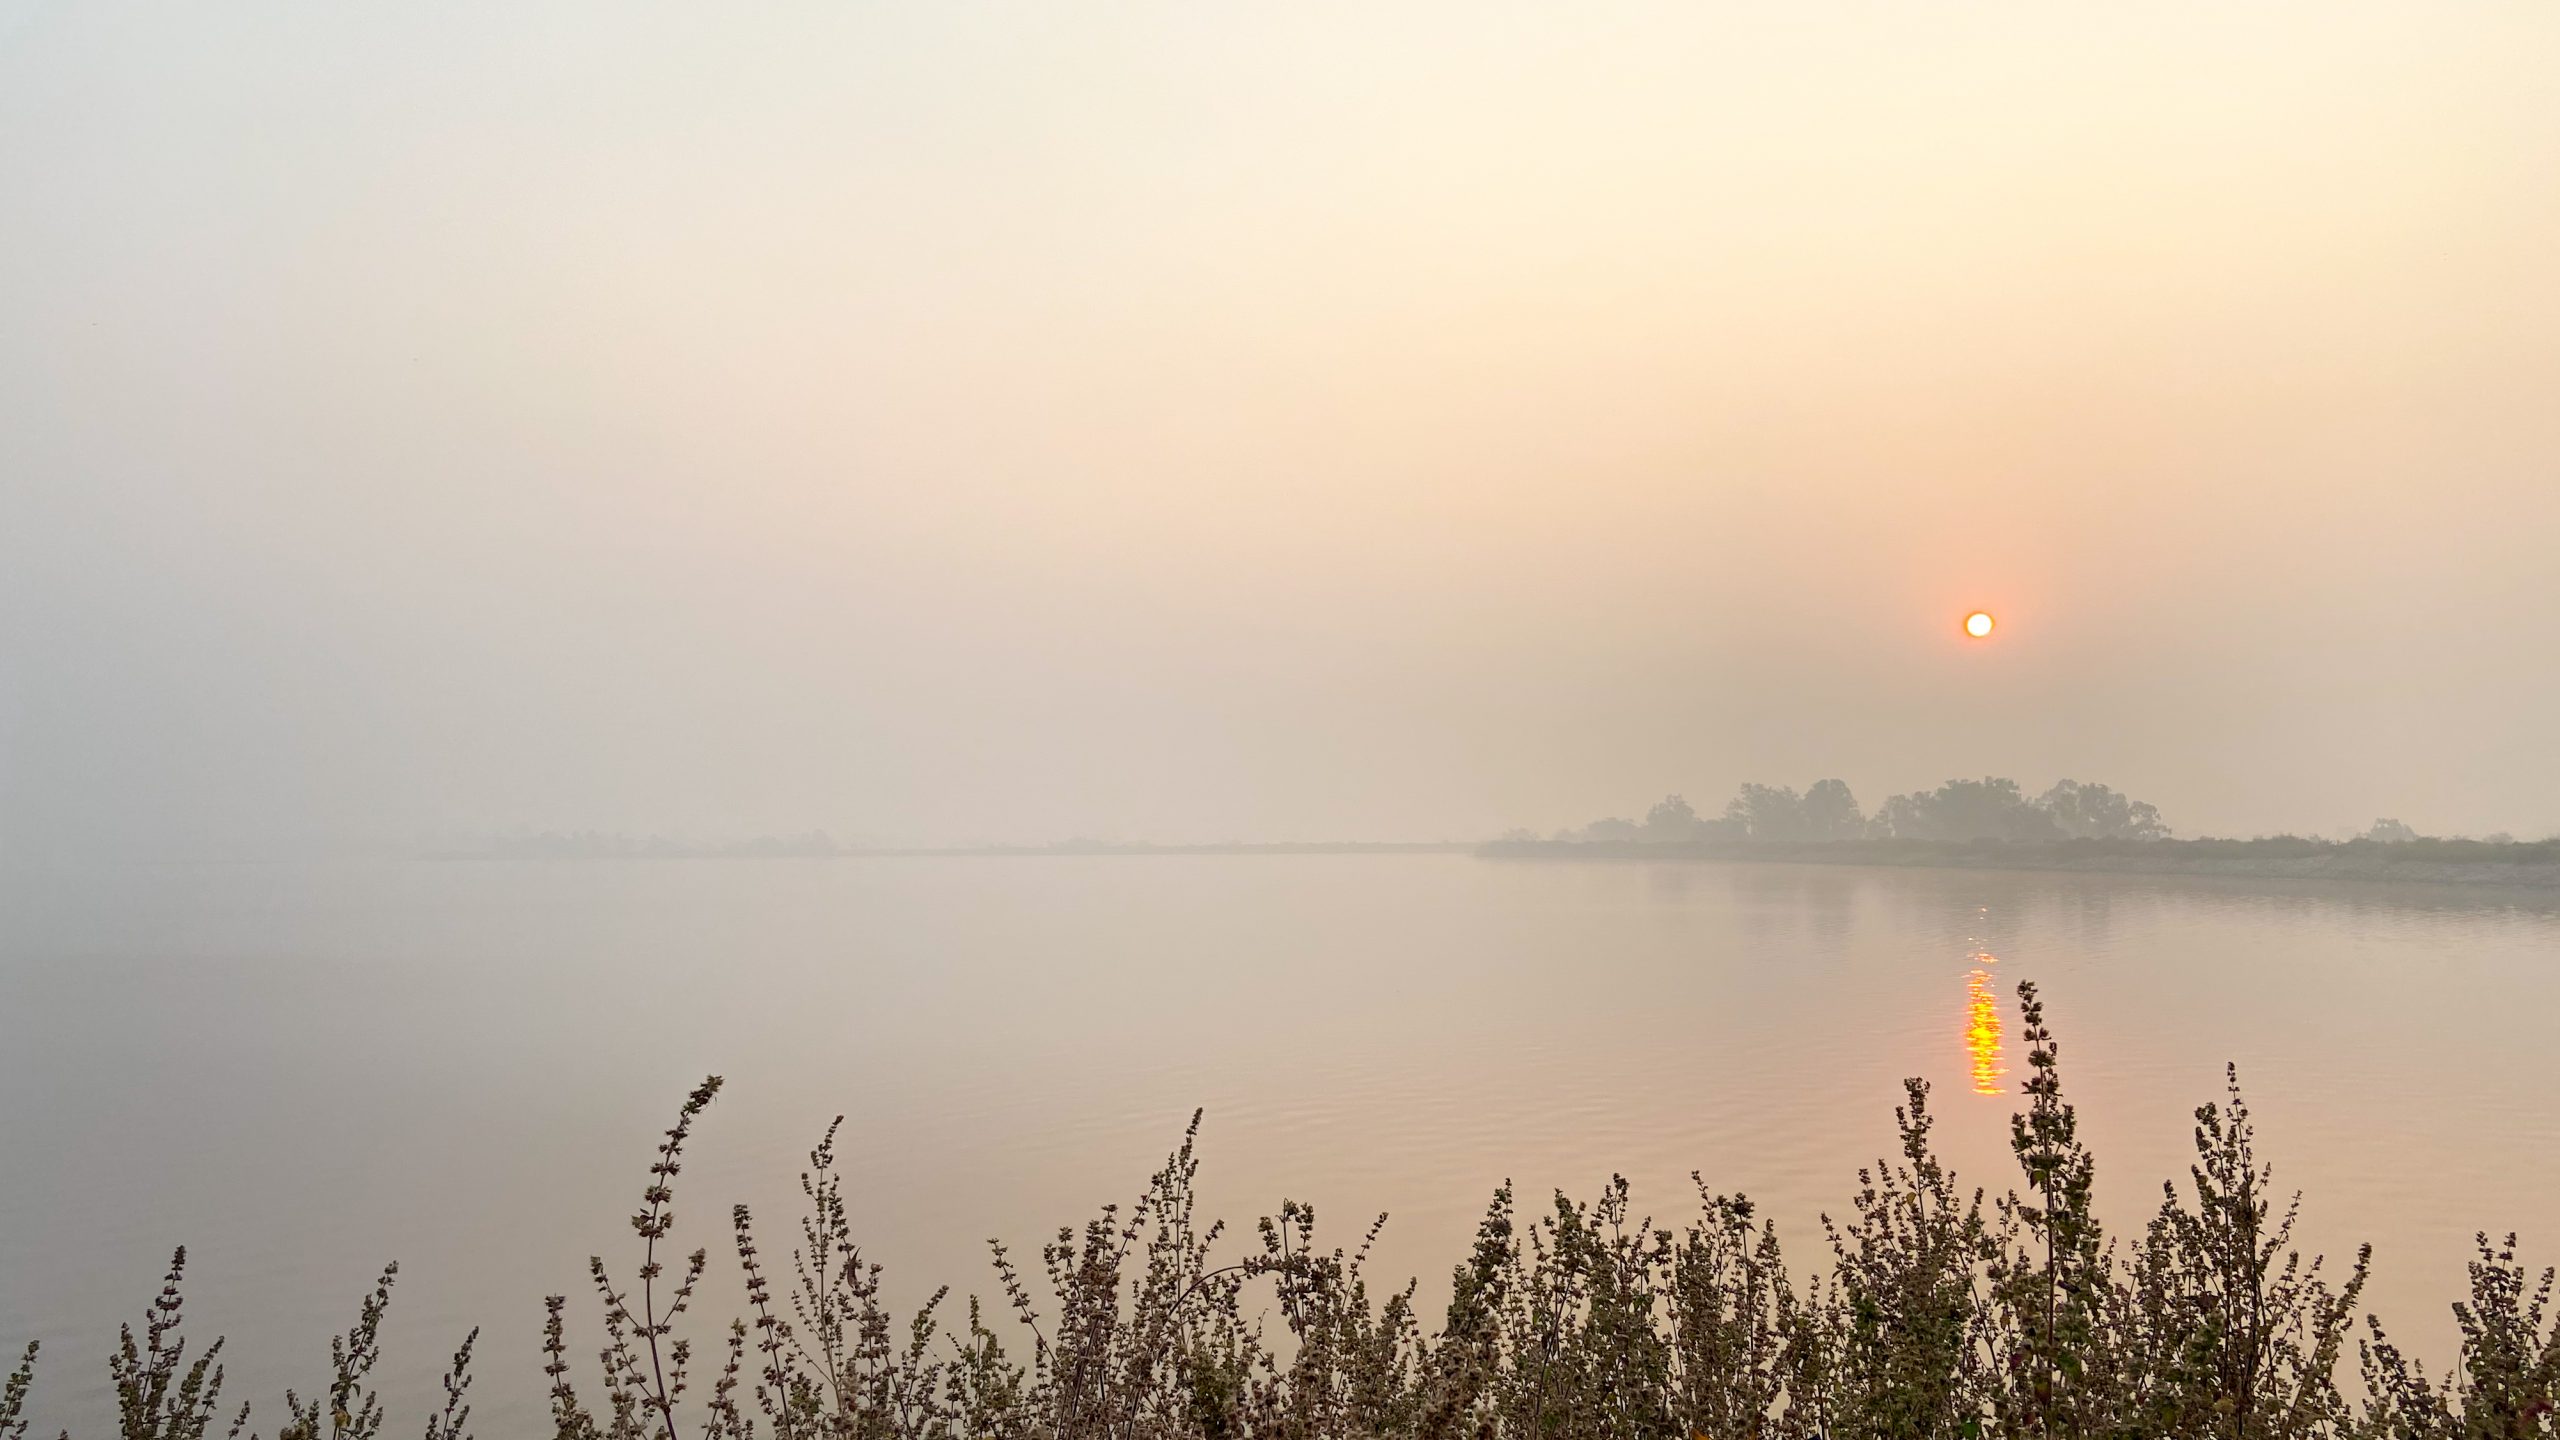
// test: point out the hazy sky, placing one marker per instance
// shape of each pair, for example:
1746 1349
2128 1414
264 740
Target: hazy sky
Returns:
950 422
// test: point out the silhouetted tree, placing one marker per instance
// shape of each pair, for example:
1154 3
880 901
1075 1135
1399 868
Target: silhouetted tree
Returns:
2390 832
2098 813
1765 812
1671 819
1987 809
1831 812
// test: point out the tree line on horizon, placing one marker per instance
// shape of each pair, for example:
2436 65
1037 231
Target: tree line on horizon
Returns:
1991 808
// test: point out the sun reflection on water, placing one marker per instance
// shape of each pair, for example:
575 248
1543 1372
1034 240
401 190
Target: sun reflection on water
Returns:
1982 1025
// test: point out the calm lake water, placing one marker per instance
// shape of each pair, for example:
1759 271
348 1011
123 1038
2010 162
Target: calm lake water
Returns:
302 1071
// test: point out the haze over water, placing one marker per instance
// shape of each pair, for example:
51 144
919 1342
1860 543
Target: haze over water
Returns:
300 1071
993 422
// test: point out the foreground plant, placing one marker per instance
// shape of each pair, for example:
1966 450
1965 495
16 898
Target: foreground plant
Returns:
1941 1315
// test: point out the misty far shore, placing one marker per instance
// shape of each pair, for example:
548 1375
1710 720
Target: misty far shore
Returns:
2426 860
1993 823
818 845
2281 857
1988 824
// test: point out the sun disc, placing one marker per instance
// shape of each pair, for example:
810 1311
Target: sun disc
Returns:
1978 624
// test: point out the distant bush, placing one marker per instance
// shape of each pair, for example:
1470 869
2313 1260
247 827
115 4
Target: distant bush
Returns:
1932 1314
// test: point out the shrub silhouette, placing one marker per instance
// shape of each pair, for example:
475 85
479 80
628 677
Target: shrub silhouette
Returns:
1941 1316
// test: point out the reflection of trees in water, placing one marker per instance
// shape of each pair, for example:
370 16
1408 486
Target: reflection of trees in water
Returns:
1813 906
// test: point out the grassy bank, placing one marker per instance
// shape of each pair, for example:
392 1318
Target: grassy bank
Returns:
2467 862
1928 1310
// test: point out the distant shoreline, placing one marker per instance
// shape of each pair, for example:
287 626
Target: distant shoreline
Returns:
752 851
2433 862
2533 866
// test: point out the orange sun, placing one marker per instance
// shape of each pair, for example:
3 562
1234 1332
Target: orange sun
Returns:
1978 624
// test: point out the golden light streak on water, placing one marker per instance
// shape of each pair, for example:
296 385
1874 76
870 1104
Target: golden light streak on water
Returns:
1982 1030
